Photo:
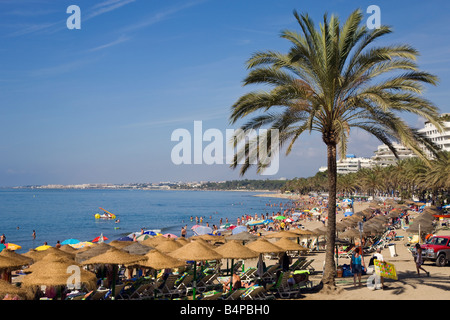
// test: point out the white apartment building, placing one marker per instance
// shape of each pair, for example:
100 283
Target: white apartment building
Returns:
440 139
350 164
385 157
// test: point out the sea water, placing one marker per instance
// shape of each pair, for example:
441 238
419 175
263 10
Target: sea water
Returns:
60 214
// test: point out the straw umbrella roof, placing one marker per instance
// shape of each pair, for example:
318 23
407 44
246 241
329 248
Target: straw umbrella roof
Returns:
10 263
394 213
169 246
196 251
13 255
206 244
38 255
282 234
289 245
350 233
48 260
154 241
182 240
242 236
113 256
92 252
120 244
425 227
137 248
7 288
302 232
157 260
321 231
52 271
264 246
235 250
68 248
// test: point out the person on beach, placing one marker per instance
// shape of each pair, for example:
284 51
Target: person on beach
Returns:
58 245
33 235
3 239
183 232
419 260
356 266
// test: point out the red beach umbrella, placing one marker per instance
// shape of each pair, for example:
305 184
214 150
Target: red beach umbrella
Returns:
100 238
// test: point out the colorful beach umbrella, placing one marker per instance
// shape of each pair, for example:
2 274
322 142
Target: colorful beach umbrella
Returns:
82 244
143 237
239 230
12 246
280 217
202 230
42 248
70 241
255 223
2 246
170 235
125 239
100 238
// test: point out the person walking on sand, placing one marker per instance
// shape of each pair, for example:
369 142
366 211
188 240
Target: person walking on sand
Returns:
356 266
419 261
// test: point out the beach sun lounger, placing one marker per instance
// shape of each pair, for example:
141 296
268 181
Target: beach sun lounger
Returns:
211 295
285 290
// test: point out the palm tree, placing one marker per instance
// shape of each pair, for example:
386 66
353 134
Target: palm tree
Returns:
333 80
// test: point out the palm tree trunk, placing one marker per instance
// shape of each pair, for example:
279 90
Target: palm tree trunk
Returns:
329 271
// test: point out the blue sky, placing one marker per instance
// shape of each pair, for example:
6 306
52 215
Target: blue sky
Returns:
99 104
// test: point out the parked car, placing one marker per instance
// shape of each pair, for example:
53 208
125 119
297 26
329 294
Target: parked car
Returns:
437 249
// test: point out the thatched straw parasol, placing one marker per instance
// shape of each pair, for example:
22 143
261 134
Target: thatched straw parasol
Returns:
10 290
44 262
264 246
54 270
168 246
302 232
235 250
350 234
289 245
38 255
157 260
154 241
10 263
182 240
242 236
16 256
114 257
322 231
69 249
195 251
137 248
92 252
282 234
120 244
205 243
394 213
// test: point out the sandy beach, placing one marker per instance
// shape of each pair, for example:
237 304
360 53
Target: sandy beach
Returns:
408 286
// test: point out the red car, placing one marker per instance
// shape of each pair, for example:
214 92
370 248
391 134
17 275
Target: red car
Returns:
436 249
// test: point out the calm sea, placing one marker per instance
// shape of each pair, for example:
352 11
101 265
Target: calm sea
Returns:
64 214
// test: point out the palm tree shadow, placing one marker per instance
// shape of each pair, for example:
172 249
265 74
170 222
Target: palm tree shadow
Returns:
411 279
